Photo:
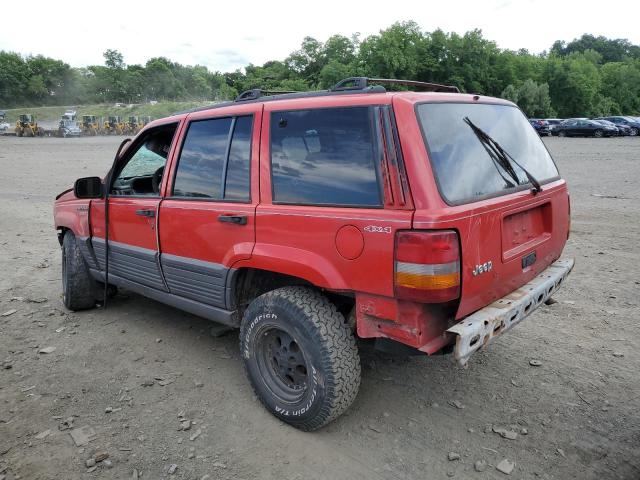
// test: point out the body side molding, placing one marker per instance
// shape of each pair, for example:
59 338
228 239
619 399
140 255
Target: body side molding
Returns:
216 314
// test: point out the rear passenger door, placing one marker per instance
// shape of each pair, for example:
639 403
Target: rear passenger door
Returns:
207 216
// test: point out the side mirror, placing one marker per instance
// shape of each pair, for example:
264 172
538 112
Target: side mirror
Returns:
88 187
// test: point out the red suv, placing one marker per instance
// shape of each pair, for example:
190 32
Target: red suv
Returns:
434 220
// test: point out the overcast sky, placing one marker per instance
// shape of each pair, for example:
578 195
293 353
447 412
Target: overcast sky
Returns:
229 35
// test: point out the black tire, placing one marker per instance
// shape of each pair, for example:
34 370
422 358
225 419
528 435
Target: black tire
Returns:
598 133
300 356
78 287
633 132
562 134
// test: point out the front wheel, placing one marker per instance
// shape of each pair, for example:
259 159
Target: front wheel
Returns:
300 356
598 133
633 132
562 134
78 288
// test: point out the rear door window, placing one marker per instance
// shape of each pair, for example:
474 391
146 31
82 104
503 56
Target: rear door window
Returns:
464 170
215 160
324 157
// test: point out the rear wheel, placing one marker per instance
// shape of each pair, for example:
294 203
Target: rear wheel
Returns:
300 356
78 287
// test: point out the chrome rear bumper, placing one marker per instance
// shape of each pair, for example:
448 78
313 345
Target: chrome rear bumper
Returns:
478 329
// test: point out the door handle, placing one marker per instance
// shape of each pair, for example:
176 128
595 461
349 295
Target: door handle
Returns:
237 219
146 213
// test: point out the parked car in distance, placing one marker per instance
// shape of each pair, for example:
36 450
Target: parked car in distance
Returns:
541 126
68 128
631 122
300 219
585 128
4 125
553 123
623 130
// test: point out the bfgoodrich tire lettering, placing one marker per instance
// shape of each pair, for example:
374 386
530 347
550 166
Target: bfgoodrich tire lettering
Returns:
300 356
77 284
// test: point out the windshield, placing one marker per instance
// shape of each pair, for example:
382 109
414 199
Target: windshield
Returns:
464 170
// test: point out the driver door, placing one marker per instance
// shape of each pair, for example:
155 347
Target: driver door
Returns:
134 200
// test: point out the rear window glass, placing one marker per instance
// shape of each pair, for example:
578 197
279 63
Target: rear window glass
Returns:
464 170
324 157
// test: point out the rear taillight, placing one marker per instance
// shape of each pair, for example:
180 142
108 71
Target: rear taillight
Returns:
427 266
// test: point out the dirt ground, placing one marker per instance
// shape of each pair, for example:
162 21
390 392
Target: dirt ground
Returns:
575 416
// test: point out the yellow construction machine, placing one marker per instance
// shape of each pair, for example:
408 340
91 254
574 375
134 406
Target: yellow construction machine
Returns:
113 126
90 125
27 126
133 125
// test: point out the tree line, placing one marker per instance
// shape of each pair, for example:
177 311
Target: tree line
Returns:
588 76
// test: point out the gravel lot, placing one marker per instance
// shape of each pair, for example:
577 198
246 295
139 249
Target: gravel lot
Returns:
574 416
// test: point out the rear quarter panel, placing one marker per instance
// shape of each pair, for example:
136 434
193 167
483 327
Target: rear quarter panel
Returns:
302 240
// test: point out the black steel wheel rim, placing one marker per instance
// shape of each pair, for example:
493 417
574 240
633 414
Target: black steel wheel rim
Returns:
282 364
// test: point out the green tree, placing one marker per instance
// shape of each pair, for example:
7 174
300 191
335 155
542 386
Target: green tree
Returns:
574 84
395 53
113 59
160 83
14 75
621 84
531 97
590 75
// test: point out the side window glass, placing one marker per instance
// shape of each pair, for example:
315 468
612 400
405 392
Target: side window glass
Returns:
142 173
211 167
324 157
238 180
202 159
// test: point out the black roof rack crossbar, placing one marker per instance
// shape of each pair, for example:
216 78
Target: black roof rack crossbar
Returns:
258 92
361 83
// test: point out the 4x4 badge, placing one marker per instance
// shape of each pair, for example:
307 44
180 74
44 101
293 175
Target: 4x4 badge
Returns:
376 229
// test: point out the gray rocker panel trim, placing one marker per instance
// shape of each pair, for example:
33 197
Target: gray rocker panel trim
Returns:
220 315
198 280
137 264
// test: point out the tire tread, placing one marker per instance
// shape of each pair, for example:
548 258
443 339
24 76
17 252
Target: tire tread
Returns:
339 360
80 286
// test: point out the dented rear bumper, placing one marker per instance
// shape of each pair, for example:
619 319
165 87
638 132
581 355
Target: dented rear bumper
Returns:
479 328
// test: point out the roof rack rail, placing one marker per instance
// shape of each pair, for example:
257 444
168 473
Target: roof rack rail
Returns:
256 93
362 83
343 87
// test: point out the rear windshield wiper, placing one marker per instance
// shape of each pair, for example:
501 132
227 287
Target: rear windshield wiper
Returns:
502 157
